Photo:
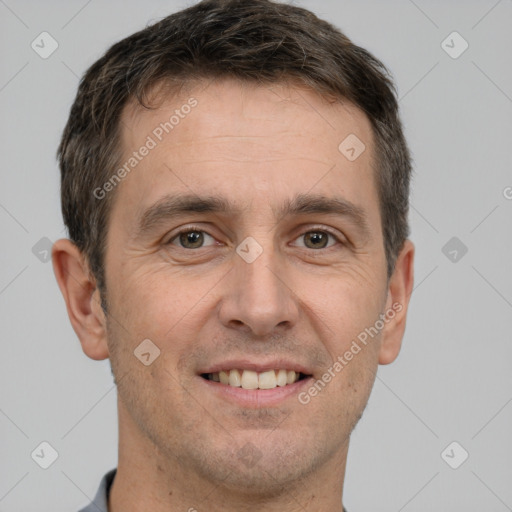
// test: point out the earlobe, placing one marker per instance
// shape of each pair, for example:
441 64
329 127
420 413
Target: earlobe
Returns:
82 298
399 293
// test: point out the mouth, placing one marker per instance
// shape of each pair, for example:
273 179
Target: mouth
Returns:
250 379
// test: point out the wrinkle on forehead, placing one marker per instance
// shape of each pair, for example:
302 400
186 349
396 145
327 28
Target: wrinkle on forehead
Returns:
241 96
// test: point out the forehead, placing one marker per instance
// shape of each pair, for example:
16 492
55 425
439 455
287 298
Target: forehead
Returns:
246 142
244 109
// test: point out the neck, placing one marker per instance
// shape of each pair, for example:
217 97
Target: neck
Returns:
146 479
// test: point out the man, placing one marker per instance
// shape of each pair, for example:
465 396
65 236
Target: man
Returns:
235 183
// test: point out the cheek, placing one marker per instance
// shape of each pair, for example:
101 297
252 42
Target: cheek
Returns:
154 302
348 305
347 308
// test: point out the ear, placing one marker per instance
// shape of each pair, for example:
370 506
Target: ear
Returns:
82 298
399 292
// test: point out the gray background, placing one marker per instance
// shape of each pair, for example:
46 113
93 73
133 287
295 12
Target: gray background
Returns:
452 380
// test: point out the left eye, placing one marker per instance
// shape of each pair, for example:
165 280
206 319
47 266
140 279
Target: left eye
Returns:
317 239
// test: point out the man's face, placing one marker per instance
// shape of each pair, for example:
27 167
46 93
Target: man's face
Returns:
293 297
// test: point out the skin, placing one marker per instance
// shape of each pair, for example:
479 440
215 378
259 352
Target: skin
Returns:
179 443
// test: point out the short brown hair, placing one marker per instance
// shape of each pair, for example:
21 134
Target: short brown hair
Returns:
250 40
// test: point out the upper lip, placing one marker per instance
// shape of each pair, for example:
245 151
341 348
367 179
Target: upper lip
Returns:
260 366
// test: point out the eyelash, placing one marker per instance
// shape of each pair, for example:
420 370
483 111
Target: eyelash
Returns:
192 229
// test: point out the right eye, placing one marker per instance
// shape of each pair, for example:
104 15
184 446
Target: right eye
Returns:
190 238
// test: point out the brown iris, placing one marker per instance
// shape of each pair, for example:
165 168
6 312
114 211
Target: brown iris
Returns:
317 239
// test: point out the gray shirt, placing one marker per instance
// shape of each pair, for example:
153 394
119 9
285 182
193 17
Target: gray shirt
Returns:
100 502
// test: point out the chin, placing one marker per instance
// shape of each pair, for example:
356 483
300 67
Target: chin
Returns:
261 463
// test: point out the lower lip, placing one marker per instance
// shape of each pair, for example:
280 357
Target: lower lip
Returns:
257 398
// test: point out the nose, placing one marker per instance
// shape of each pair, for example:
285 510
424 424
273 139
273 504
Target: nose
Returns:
259 296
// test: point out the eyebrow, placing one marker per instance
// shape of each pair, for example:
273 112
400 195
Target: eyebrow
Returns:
171 206
174 206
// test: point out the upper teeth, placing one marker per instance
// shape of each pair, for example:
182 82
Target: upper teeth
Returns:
249 379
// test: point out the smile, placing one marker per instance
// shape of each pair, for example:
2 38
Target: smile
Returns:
250 379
